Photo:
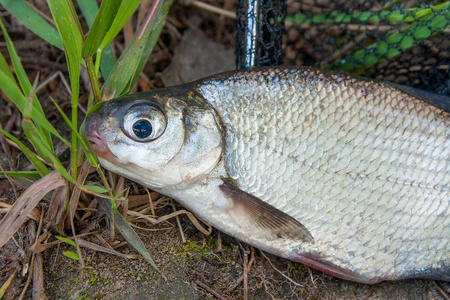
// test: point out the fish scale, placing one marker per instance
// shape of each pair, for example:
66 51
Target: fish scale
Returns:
378 136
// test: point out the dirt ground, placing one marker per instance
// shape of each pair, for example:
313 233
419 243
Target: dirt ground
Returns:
201 267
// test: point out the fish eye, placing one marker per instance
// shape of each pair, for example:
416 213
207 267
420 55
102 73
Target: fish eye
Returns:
144 123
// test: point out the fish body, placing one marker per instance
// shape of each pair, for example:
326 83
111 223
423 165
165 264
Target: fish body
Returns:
351 177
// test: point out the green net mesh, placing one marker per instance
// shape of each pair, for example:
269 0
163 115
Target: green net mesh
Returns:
406 42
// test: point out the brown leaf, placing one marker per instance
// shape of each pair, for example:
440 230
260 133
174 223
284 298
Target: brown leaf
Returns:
35 213
56 213
99 248
25 204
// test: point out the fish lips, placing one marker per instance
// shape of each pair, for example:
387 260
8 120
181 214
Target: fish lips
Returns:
94 137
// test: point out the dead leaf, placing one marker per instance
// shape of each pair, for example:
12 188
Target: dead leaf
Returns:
26 202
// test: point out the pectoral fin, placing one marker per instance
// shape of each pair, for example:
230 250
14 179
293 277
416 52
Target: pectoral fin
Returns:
258 217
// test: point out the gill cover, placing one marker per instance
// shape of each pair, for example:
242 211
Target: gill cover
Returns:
157 140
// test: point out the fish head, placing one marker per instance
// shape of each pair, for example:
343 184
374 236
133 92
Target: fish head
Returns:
161 141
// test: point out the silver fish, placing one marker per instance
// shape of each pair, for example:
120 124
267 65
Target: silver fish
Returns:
348 176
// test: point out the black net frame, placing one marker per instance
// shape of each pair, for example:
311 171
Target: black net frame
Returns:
351 36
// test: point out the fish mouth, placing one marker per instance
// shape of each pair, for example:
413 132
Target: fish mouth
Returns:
94 137
99 146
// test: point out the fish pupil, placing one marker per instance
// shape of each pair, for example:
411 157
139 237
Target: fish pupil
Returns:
142 129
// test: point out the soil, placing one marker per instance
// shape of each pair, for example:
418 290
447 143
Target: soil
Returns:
201 267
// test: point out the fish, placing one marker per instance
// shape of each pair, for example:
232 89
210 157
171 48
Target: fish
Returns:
346 175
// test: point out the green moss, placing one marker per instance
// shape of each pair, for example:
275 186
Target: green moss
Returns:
88 296
129 274
95 278
193 249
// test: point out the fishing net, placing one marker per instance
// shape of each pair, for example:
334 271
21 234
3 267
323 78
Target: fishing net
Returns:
406 42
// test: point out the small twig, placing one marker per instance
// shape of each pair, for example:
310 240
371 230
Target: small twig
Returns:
265 288
441 290
53 77
175 23
38 270
11 143
282 274
211 291
220 23
32 235
150 229
64 82
183 238
190 215
47 18
250 263
39 247
213 9
27 283
150 201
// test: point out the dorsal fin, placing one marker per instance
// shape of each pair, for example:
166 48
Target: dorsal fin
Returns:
260 218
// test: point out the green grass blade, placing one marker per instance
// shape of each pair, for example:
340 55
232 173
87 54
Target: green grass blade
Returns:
68 26
34 134
153 38
36 139
33 21
89 8
4 66
101 26
71 254
66 240
126 230
32 158
17 65
54 160
95 189
26 174
10 88
133 59
126 9
107 62
84 145
25 82
114 200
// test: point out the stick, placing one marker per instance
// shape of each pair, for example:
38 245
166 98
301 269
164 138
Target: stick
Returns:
441 290
213 9
282 274
183 238
211 291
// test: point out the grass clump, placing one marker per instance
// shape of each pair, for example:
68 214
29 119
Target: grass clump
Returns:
64 183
